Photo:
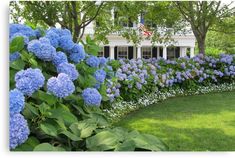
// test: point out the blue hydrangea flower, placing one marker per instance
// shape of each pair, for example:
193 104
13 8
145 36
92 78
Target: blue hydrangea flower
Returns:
65 32
16 101
53 37
91 97
14 56
103 61
47 52
44 40
66 43
42 50
77 53
93 61
34 46
100 75
59 58
19 130
62 86
28 81
68 69
23 29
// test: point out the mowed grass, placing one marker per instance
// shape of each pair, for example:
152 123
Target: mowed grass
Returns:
193 123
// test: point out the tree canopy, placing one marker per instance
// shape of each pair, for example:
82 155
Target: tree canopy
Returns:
164 19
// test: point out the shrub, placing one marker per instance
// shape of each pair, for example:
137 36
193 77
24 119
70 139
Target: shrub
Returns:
59 89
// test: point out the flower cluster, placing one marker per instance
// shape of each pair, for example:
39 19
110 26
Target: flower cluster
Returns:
16 101
100 75
91 97
77 53
42 49
132 73
59 58
93 61
24 31
62 86
19 130
68 69
112 89
29 80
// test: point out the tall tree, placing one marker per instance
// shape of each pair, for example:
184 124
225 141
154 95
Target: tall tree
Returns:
202 15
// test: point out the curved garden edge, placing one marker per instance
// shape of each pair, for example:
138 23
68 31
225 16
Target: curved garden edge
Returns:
122 108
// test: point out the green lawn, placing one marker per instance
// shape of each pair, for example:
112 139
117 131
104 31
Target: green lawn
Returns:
194 123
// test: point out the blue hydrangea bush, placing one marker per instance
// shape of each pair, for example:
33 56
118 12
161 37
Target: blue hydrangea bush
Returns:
58 90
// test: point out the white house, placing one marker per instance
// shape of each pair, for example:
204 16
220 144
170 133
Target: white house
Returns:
119 47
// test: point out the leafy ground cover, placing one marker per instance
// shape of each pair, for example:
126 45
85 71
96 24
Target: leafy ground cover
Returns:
194 123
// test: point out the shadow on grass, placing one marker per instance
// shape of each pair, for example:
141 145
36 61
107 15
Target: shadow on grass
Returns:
195 139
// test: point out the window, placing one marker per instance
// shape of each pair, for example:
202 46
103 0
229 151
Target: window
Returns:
101 52
172 52
146 52
122 52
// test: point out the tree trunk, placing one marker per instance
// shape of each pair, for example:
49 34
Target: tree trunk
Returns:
201 39
201 45
75 20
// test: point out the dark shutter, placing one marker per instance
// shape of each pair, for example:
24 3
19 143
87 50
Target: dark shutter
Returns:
130 23
130 52
115 52
161 52
106 51
177 52
154 52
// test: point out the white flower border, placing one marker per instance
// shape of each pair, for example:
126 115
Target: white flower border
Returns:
121 108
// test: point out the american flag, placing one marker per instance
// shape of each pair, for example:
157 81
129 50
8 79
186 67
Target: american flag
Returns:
144 30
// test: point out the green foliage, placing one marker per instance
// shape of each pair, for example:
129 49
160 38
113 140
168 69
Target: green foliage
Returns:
17 44
119 139
47 147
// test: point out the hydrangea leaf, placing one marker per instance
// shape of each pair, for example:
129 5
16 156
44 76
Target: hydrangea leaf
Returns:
45 97
49 129
47 147
64 113
105 140
71 135
85 127
17 44
17 65
128 145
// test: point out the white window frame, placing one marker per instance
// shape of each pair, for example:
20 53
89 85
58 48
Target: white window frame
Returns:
101 50
142 53
118 49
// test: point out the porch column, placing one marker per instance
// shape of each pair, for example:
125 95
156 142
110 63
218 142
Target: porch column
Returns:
191 52
134 52
164 52
158 52
111 52
139 52
182 51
